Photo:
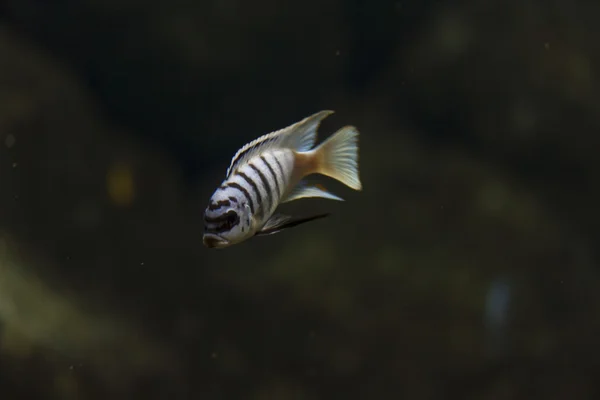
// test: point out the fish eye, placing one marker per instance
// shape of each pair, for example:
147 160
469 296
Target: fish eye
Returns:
231 220
232 216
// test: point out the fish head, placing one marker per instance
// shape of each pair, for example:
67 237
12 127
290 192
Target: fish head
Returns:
227 221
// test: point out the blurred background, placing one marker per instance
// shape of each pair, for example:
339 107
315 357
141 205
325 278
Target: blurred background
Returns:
467 268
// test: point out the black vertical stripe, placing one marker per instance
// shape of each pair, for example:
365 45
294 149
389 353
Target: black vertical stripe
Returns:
264 160
244 192
280 170
261 141
253 184
265 182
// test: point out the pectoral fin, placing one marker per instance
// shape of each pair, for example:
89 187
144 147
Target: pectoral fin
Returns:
303 190
279 222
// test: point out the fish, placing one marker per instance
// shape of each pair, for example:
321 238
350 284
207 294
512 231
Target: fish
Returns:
272 170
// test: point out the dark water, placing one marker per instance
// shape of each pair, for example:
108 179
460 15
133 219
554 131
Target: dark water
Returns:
467 267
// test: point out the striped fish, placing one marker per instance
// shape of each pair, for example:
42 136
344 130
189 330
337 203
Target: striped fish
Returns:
270 171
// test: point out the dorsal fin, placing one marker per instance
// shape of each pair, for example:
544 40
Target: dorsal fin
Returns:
300 136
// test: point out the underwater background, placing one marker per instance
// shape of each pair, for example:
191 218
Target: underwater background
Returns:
467 268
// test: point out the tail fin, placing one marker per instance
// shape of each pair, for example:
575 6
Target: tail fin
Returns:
337 157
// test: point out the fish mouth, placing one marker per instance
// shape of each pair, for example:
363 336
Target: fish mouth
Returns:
214 241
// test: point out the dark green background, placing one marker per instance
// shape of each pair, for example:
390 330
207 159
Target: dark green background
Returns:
467 268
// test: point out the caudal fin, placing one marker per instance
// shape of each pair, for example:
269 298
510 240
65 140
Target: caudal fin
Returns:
337 157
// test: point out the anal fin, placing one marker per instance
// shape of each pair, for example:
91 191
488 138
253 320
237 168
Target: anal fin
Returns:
304 190
279 222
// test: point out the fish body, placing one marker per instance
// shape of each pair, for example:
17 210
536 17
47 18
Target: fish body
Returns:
270 171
